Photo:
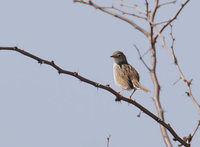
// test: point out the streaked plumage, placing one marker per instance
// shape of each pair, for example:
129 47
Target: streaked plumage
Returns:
125 75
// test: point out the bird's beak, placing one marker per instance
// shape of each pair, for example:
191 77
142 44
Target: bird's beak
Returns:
113 56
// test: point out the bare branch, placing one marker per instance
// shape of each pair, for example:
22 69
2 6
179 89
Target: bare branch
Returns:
123 12
167 3
154 10
172 19
177 81
105 87
188 83
190 139
147 8
141 58
132 6
137 27
159 23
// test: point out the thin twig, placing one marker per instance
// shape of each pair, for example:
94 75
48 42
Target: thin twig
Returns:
108 140
145 53
147 8
177 81
125 13
141 58
167 3
105 87
191 136
132 6
159 23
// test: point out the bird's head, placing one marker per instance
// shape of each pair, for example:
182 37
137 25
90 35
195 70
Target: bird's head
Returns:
119 57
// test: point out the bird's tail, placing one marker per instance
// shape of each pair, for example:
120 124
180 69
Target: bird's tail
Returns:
144 89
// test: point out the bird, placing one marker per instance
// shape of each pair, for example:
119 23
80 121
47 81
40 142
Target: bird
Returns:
125 76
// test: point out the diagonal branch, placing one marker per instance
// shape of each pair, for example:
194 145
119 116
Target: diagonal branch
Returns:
167 3
132 6
137 27
189 138
125 13
141 58
172 19
182 77
188 83
197 127
98 85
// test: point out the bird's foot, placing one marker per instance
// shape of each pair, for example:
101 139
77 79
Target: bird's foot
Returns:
130 97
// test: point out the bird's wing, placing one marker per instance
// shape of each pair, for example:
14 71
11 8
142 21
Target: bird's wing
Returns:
134 76
132 73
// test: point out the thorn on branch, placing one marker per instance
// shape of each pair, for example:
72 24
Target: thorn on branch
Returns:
98 85
158 120
90 2
185 80
52 62
59 72
187 93
108 85
118 99
15 48
185 138
175 60
189 82
189 138
75 74
40 62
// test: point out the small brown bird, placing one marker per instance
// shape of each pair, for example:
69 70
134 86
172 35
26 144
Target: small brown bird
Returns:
125 75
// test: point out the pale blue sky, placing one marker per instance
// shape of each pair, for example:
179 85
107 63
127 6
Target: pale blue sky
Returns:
39 108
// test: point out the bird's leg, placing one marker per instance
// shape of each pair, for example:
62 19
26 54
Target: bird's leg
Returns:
134 89
121 91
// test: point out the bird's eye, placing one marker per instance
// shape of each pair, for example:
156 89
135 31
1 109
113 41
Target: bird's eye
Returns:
119 55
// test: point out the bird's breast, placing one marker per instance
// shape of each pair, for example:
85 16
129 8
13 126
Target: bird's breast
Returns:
120 77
